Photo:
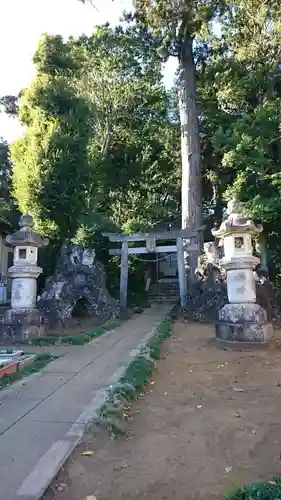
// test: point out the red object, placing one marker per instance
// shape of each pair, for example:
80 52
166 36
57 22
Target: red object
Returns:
8 369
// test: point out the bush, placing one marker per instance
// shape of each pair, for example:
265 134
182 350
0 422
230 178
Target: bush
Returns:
270 490
39 362
111 414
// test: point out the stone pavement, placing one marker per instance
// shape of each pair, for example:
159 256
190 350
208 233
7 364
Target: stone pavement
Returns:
43 417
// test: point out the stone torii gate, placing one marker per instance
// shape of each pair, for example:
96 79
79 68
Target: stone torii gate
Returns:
150 240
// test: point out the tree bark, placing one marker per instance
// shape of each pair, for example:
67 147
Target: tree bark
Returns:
218 204
262 247
190 147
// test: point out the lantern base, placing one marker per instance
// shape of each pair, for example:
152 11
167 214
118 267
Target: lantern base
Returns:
21 324
243 323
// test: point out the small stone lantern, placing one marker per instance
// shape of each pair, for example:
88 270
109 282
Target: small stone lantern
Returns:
24 320
242 319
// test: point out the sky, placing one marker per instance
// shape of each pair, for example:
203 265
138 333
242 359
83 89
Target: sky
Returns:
24 22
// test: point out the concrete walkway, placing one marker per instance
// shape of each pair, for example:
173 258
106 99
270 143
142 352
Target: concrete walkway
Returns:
43 417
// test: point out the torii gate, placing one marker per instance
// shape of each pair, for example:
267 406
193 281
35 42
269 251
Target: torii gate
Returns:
151 247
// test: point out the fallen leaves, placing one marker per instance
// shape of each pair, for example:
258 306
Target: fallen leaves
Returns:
236 414
123 466
61 486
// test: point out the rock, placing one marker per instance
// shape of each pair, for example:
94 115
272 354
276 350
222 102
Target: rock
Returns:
206 297
243 323
265 294
209 270
209 294
79 282
203 302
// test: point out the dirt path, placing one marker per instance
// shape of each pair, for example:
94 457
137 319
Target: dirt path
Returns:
210 419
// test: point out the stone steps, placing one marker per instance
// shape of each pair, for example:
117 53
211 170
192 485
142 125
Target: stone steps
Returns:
163 292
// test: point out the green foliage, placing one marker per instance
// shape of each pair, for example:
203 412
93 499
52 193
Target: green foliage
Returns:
8 207
89 235
239 93
89 232
133 148
137 372
182 29
99 150
9 105
77 339
173 20
162 333
111 414
51 168
270 490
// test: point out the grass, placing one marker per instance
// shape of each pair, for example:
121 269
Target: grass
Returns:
39 362
76 339
162 333
82 338
112 414
269 490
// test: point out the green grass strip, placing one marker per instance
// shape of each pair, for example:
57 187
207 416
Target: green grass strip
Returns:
39 362
269 490
81 338
77 339
111 413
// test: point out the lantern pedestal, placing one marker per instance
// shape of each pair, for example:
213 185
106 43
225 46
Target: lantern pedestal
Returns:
243 323
21 324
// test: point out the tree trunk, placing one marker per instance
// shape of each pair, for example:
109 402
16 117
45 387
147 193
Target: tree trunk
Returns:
262 247
190 147
218 204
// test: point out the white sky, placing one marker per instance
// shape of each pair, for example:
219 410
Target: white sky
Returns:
22 24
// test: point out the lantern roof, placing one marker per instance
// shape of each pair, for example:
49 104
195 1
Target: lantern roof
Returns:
236 222
26 235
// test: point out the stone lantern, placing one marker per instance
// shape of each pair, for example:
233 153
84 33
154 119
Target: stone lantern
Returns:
242 319
24 320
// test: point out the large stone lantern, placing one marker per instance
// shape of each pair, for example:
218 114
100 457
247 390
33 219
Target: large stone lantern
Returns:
242 319
24 320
